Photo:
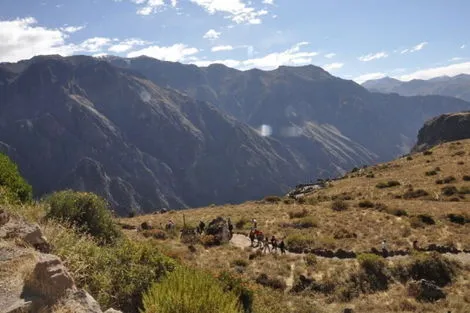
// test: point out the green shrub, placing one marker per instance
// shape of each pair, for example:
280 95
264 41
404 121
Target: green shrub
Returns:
189 290
240 224
372 276
237 286
366 204
339 205
449 190
298 242
298 214
86 211
17 189
430 266
389 184
272 199
116 275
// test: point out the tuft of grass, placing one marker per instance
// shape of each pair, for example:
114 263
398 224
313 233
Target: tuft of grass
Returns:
389 184
274 283
449 190
446 180
427 152
431 173
413 194
239 262
298 214
272 199
339 205
189 291
366 204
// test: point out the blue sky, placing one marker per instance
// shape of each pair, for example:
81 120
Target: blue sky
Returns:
358 40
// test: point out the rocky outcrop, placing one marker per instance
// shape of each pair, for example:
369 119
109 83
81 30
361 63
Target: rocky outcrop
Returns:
444 128
31 281
219 229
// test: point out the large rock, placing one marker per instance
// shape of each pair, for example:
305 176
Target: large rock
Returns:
29 233
4 217
219 229
79 301
50 280
425 290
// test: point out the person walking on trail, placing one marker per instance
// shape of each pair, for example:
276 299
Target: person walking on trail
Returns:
202 225
282 246
255 223
230 227
274 243
384 248
252 237
266 245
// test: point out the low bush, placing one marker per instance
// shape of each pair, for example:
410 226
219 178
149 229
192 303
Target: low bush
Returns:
240 224
310 259
431 173
409 158
430 266
288 201
272 199
343 233
459 153
413 194
236 285
306 222
449 190
370 175
209 240
458 218
86 211
239 262
466 177
116 275
389 184
366 204
298 214
274 283
155 233
426 219
373 276
16 187
339 205
298 242
189 291
427 152
446 180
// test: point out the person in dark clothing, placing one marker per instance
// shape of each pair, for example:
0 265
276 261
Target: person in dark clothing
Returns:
252 237
282 246
202 225
274 243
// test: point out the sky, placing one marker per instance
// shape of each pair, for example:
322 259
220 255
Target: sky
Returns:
352 39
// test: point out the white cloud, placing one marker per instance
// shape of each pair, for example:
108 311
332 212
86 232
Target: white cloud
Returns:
373 56
418 47
94 44
449 70
365 77
292 56
330 55
271 2
22 39
239 11
147 7
333 66
72 29
222 48
211 34
127 45
177 52
462 46
456 59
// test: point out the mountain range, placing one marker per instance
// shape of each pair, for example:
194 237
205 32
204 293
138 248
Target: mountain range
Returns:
147 134
456 86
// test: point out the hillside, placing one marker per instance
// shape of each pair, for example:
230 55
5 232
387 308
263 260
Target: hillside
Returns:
307 109
457 86
82 123
422 197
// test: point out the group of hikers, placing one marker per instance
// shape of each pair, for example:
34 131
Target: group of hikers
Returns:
264 241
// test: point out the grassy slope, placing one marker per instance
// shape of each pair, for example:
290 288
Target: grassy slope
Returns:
368 224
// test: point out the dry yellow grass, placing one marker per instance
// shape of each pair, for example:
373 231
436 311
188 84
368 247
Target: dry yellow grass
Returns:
366 228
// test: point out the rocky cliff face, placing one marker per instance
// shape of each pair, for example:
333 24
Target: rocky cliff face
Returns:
444 128
82 123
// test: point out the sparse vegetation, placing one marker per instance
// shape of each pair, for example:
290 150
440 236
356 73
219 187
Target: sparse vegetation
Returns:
413 194
449 190
274 283
298 214
272 199
446 180
339 205
431 173
427 152
190 291
389 184
366 204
